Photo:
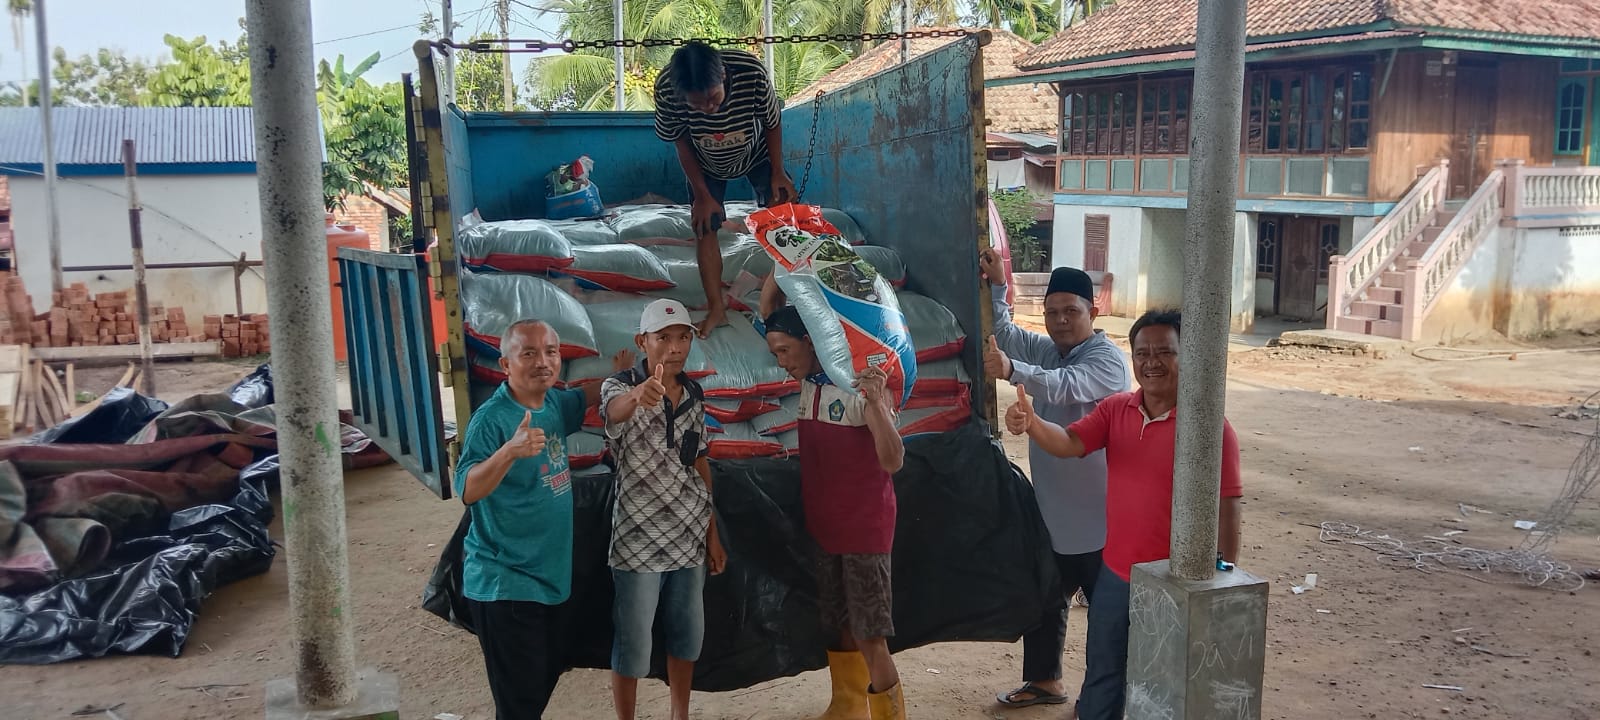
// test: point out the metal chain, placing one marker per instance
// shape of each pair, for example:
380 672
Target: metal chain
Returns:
497 45
811 149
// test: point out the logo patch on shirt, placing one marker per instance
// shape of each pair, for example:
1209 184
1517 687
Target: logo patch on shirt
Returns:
560 482
836 410
724 141
553 447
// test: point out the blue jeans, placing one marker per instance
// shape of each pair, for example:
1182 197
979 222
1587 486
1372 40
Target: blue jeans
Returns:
1105 674
678 594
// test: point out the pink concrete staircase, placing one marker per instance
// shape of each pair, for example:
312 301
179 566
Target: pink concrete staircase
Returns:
1380 310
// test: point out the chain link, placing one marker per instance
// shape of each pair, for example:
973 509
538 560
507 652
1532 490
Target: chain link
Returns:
811 148
568 46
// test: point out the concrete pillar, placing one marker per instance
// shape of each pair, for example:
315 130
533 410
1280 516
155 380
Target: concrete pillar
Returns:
294 244
1196 648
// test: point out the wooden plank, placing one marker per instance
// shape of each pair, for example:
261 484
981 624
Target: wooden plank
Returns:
56 391
9 384
24 409
37 399
72 388
128 352
89 407
10 358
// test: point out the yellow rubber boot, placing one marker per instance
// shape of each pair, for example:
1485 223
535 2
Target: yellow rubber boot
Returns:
889 704
850 681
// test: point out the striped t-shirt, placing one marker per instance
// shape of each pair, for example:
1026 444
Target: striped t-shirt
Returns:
732 140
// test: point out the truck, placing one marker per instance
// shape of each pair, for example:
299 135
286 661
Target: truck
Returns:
902 152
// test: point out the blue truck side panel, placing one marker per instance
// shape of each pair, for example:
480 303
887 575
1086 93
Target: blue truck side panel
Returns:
895 151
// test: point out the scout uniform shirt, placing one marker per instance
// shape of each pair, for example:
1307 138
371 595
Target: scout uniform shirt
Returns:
520 544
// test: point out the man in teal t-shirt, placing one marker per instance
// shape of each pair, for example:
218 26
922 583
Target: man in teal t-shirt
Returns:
514 478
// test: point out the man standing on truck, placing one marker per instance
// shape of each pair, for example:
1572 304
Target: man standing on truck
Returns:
1069 371
513 477
720 110
1138 432
850 512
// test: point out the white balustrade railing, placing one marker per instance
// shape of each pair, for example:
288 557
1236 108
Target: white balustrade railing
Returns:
1429 276
1350 275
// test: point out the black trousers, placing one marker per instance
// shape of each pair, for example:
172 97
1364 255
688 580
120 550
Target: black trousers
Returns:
1105 676
524 653
1041 647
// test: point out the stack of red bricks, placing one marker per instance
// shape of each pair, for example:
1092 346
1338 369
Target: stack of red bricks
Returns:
77 318
241 335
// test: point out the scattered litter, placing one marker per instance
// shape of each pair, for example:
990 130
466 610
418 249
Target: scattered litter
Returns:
1497 653
1462 630
1524 524
1320 611
447 716
1415 448
1455 688
1311 581
1453 533
1460 640
440 633
933 671
1258 432
1467 510
433 545
1296 589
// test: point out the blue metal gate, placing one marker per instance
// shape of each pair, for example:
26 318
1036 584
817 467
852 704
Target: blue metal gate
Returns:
394 384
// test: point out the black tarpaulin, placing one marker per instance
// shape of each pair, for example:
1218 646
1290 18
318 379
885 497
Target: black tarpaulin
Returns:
972 562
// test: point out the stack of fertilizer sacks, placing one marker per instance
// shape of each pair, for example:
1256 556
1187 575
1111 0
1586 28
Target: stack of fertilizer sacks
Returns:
591 279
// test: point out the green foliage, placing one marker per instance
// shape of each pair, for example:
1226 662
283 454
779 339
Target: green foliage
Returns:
1018 215
1034 20
201 75
479 80
363 126
105 78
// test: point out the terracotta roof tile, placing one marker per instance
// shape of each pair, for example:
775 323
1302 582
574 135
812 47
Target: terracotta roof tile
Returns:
1143 26
1014 108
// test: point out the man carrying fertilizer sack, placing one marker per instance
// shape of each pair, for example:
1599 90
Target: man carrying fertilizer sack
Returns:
849 448
663 537
719 109
1069 371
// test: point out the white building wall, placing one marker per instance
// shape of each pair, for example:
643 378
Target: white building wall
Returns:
1125 250
1522 283
186 218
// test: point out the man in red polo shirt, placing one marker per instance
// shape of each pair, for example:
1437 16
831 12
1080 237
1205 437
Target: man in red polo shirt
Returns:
1138 431
849 448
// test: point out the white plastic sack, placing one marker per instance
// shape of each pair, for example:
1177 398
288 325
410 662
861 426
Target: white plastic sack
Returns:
846 225
942 379
491 302
586 232
886 261
653 225
616 324
782 420
618 267
585 449
524 246
849 309
739 440
745 367
934 329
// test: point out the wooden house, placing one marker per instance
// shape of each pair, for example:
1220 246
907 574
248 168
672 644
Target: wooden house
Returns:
1419 170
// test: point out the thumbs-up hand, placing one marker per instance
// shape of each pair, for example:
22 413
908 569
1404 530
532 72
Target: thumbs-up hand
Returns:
527 441
995 362
1019 417
654 388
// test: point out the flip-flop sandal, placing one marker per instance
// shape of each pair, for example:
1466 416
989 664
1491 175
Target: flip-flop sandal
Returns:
1040 697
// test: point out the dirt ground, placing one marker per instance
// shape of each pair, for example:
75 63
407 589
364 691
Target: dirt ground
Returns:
1394 445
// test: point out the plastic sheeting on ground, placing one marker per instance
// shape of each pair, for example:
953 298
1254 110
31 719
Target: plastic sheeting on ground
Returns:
492 302
156 524
850 310
971 562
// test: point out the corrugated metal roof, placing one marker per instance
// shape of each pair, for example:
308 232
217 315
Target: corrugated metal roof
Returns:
1029 139
162 136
